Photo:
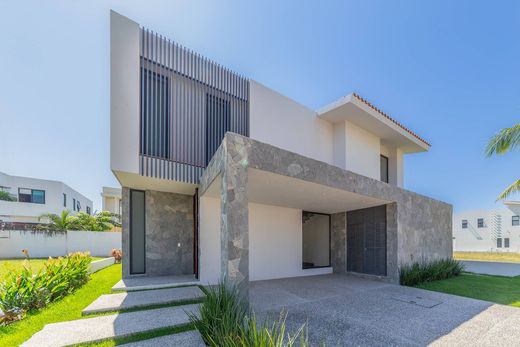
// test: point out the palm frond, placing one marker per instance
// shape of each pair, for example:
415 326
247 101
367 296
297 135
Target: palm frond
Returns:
513 188
505 140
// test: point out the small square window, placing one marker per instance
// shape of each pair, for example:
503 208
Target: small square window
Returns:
464 224
480 223
506 242
515 221
499 242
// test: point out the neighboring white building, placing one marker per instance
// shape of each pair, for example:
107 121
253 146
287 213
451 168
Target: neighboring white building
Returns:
488 230
111 200
34 197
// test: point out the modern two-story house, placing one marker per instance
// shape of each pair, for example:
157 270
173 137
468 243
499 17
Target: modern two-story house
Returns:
225 178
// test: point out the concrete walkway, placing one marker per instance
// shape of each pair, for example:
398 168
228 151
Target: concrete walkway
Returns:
105 327
492 268
154 282
129 300
343 310
188 338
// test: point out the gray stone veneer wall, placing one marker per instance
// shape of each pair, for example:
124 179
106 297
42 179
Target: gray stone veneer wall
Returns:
169 233
421 225
169 222
338 242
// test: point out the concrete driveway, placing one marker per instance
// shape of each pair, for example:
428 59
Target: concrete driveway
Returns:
492 268
344 310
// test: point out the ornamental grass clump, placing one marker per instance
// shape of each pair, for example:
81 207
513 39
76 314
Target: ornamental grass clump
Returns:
23 290
224 320
428 271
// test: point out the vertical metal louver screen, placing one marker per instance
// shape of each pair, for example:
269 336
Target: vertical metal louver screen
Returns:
187 105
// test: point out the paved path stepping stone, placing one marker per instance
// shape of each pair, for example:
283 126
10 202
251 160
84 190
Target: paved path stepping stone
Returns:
154 282
188 338
110 326
128 300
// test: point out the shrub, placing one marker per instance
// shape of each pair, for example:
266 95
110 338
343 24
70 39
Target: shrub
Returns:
225 321
6 196
428 271
23 290
117 254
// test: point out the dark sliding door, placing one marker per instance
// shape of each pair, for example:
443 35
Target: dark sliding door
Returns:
366 241
137 232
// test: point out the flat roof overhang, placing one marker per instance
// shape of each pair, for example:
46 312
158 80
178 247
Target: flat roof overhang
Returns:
139 182
268 188
359 112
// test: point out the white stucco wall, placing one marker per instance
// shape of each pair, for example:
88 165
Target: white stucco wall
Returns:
316 248
124 94
42 244
284 123
362 151
209 240
275 243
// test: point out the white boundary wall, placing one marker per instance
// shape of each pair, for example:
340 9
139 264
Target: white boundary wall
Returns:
42 244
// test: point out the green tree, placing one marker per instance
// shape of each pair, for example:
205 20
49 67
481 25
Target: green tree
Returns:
56 222
505 140
6 196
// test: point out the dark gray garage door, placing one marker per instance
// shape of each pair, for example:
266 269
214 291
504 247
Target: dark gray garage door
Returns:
366 241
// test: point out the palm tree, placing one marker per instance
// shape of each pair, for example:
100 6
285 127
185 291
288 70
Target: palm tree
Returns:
60 222
505 140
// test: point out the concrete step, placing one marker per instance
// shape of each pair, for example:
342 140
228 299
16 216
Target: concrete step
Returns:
129 300
188 338
154 282
110 326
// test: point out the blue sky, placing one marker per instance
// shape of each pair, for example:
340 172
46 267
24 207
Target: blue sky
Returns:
449 70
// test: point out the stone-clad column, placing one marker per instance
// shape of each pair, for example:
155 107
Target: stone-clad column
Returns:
338 244
392 267
234 222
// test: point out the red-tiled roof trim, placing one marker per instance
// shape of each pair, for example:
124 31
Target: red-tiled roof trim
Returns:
390 118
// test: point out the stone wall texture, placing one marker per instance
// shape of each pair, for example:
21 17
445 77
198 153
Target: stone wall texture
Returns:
169 233
338 242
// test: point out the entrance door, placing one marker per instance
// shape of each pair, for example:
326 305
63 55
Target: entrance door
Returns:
366 241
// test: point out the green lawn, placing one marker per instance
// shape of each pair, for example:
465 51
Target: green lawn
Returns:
8 265
68 308
502 290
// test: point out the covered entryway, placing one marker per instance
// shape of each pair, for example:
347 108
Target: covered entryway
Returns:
366 241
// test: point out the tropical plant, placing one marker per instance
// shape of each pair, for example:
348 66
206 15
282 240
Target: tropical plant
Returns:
100 221
5 196
56 222
428 271
225 321
505 140
24 290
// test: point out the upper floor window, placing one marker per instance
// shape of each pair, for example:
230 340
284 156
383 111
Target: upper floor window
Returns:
35 196
218 122
73 204
64 200
480 222
88 209
499 242
464 224
515 220
78 206
155 114
384 168
506 242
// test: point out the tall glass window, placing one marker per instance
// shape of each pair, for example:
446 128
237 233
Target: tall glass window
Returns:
316 240
384 168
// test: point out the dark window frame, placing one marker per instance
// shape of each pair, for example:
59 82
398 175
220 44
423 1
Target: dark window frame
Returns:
87 209
386 168
464 224
330 241
515 221
480 222
217 113
64 200
506 242
499 242
32 200
74 204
